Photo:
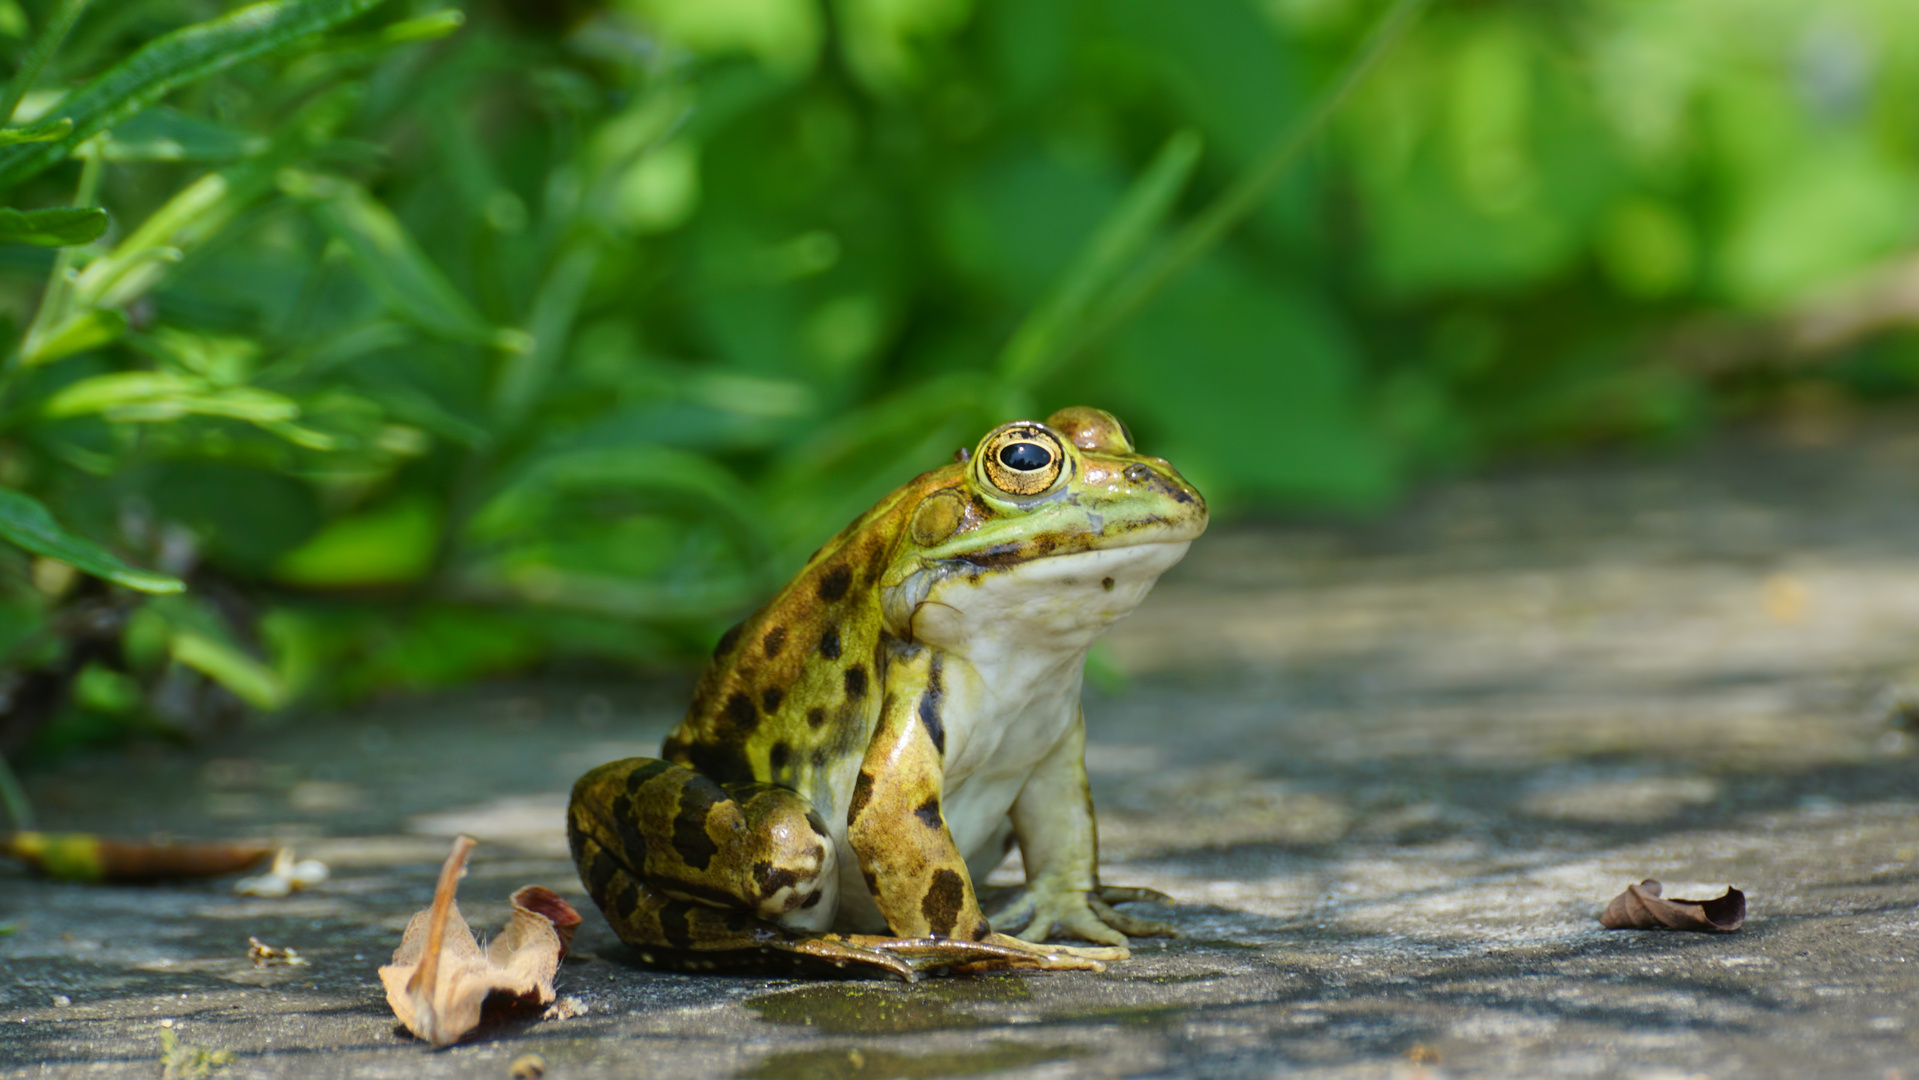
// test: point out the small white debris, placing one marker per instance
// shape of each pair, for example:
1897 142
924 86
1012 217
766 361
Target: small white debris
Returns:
61 1001
286 876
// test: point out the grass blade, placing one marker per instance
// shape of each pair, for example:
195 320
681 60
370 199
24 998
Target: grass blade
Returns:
27 524
170 62
60 226
1246 193
44 46
34 133
1034 347
393 265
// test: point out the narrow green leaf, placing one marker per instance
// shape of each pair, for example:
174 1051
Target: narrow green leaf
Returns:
163 134
425 28
1108 253
157 396
52 33
249 679
59 226
172 61
33 133
393 265
27 524
524 375
87 330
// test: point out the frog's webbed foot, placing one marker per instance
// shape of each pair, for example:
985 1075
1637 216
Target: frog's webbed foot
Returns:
1036 914
997 952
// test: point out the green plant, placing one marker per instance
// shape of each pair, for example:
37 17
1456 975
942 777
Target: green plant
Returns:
423 346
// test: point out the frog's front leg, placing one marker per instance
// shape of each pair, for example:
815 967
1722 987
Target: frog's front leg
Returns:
913 869
1059 843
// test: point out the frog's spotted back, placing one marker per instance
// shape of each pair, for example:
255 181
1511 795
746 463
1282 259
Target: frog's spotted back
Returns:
793 686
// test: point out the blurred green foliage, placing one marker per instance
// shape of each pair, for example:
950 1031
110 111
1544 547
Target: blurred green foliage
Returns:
424 343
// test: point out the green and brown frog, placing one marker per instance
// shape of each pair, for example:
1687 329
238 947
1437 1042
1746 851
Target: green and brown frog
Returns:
870 744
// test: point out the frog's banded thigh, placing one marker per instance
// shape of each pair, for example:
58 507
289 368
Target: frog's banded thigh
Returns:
753 847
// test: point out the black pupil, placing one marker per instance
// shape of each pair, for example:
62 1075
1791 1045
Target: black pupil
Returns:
1025 456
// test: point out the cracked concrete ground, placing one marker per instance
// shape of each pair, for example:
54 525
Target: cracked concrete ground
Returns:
1392 773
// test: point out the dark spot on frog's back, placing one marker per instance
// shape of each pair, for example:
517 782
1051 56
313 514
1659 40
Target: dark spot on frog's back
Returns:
875 563
774 641
941 904
741 713
830 643
770 700
834 583
779 757
855 682
1106 583
816 717
728 640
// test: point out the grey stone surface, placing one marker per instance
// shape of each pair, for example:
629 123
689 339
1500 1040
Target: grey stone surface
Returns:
1392 773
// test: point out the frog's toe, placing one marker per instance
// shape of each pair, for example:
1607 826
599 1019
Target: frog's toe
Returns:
997 952
1133 894
1128 925
844 956
1071 916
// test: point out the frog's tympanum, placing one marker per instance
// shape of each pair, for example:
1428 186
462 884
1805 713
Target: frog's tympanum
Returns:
870 744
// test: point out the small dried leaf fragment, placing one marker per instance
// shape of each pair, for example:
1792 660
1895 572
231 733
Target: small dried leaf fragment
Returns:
440 979
86 857
264 955
1641 907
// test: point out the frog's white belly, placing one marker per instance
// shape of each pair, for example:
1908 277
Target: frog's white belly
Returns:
1013 647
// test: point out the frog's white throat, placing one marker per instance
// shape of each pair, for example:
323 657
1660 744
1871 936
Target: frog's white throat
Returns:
1056 605
1014 643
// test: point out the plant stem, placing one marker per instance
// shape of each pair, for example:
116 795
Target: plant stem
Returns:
53 303
14 798
44 46
1246 193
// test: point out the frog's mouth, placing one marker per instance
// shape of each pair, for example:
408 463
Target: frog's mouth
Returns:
1103 536
1091 587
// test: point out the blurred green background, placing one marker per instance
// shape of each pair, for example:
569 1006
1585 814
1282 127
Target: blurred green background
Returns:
421 343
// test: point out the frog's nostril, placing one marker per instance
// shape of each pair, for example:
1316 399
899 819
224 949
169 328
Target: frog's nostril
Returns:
1138 474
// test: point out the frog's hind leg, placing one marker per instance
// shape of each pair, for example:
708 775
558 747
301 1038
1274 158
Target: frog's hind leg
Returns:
707 877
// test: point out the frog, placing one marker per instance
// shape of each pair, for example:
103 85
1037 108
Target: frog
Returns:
865 748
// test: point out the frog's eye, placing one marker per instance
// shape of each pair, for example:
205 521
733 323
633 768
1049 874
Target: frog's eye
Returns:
1022 460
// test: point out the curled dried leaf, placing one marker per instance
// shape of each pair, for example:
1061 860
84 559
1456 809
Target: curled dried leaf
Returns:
547 904
1641 907
440 979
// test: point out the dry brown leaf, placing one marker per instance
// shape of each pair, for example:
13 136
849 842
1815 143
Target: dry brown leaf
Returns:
1641 907
440 980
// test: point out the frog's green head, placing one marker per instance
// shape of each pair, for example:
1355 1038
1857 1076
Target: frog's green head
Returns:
1032 495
